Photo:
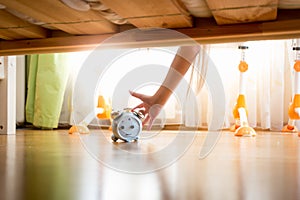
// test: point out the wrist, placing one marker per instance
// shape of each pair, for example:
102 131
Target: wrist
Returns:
162 95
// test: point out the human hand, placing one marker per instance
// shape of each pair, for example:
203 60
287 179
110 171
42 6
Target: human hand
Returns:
148 107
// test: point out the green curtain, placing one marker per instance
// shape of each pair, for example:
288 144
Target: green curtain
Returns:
46 82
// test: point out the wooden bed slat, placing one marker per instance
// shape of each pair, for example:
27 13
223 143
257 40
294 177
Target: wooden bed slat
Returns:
12 27
236 11
151 13
58 15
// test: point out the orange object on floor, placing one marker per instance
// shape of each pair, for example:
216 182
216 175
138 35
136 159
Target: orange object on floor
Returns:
240 103
104 108
295 104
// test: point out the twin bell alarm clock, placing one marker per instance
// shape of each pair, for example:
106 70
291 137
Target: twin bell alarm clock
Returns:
126 125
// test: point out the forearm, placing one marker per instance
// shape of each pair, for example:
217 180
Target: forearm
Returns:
180 65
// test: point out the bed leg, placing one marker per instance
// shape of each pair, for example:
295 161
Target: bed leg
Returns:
7 94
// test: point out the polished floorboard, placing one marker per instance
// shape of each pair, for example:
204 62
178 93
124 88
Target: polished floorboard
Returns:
51 164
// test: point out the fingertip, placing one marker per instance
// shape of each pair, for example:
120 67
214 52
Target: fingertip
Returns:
146 119
134 94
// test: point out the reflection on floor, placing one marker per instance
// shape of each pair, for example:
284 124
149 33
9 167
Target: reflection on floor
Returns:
45 165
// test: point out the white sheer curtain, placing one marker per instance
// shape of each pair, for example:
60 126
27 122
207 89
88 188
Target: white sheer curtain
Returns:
268 80
75 60
268 87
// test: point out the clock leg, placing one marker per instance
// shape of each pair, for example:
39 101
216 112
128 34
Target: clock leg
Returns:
114 138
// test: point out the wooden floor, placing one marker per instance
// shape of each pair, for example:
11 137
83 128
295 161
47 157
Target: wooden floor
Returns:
44 165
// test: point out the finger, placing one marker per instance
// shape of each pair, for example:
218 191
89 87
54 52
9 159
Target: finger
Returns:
137 95
146 120
142 111
142 105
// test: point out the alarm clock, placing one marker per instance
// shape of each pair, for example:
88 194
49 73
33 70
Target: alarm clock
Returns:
126 125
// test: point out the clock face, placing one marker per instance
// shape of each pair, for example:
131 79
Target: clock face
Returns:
129 127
